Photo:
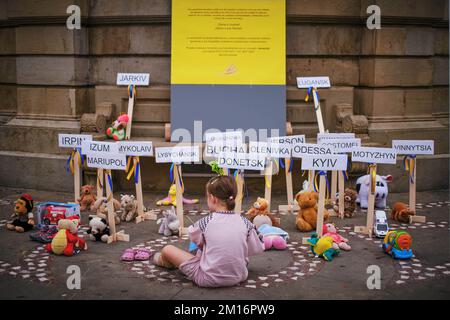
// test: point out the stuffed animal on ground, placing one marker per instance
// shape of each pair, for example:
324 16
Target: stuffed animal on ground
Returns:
129 207
273 237
381 190
117 130
98 229
171 199
101 209
400 212
170 224
259 214
329 230
350 196
306 219
323 247
66 241
87 198
398 243
23 214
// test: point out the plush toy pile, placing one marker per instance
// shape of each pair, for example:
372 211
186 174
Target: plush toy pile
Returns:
170 224
323 247
259 214
23 214
117 130
66 241
100 207
129 207
329 230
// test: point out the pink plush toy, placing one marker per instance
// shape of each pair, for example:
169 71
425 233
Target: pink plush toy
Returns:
276 242
329 230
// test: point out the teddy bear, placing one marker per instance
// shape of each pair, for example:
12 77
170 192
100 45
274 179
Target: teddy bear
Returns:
307 214
259 214
101 209
129 207
323 247
401 213
117 129
87 198
66 241
350 196
98 229
329 230
23 214
170 224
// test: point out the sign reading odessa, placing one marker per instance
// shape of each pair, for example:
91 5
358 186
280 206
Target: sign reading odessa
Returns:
374 155
413 147
274 150
243 161
334 162
135 148
315 82
72 140
304 149
137 79
177 154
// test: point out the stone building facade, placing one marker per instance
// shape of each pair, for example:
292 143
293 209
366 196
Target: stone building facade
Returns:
390 83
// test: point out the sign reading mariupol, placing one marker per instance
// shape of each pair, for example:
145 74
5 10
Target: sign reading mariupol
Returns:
72 140
88 147
300 150
177 154
374 155
325 162
243 161
136 148
106 161
411 147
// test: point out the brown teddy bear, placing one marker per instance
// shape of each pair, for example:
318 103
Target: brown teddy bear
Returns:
87 198
23 214
101 209
306 219
401 212
350 196
260 211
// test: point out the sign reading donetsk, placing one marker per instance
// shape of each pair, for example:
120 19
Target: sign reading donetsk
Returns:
228 64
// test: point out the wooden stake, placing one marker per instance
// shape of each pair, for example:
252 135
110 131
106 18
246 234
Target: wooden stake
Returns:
318 113
142 215
130 115
240 193
412 185
368 229
268 183
119 236
179 199
290 190
76 176
334 183
311 174
321 205
341 190
100 183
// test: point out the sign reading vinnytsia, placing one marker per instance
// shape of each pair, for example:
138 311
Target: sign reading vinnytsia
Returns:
228 64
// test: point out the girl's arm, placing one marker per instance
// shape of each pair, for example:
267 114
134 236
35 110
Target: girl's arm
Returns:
255 242
196 235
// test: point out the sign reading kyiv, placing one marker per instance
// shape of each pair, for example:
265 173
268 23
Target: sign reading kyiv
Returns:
177 154
374 155
137 79
336 162
72 140
411 147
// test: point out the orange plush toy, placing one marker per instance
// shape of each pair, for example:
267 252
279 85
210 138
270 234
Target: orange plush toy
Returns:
87 198
259 214
307 215
401 212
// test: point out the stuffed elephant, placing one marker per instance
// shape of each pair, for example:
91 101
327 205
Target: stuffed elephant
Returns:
170 223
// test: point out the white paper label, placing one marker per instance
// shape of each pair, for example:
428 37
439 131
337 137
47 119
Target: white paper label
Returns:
300 150
325 162
243 161
412 147
137 79
342 145
236 136
316 82
88 147
177 154
290 140
72 140
374 155
332 136
213 149
274 150
136 148
106 161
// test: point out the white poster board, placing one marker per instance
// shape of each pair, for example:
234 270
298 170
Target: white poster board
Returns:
374 155
136 148
179 154
137 79
72 140
413 147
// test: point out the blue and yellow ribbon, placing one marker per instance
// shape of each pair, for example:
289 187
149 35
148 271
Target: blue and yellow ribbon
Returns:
312 91
131 91
109 178
373 178
70 163
287 165
133 169
409 163
172 177
316 182
345 174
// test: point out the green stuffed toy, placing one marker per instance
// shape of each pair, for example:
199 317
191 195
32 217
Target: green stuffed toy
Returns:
323 247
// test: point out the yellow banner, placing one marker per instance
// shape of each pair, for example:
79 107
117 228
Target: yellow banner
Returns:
229 42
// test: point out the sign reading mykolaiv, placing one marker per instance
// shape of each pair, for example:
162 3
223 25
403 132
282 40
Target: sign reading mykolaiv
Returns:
342 145
137 79
315 82
336 162
243 161
332 136
374 155
72 140
178 154
136 148
413 147
303 149
88 147
273 150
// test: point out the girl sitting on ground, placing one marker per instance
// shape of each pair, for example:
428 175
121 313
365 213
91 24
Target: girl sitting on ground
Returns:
224 239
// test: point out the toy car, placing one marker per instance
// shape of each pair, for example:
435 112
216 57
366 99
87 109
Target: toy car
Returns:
53 214
50 213
380 227
398 244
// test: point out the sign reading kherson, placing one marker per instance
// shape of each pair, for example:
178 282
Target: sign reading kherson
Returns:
274 150
177 154
213 149
336 162
243 161
88 147
107 161
303 149
136 148
333 136
316 82
342 145
411 147
72 140
300 138
374 155
137 79
237 136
